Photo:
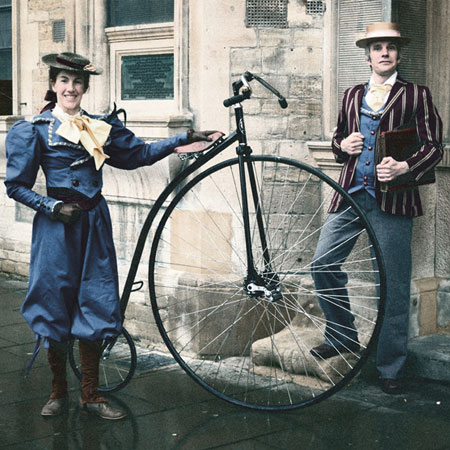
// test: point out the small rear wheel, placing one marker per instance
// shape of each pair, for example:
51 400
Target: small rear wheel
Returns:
250 341
117 363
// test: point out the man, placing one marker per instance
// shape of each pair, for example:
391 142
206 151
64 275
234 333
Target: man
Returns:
387 102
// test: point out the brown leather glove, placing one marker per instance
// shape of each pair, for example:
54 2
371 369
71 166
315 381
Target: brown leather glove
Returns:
66 212
194 136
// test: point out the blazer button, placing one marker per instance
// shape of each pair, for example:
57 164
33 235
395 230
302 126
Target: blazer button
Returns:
369 147
367 163
75 183
372 132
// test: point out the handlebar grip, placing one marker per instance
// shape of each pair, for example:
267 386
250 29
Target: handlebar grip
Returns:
235 99
283 103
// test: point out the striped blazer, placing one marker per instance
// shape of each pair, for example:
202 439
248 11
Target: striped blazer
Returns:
408 105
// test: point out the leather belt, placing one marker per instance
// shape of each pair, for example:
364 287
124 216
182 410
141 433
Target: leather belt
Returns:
70 196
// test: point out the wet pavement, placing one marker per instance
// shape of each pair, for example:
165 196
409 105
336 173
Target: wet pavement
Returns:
167 410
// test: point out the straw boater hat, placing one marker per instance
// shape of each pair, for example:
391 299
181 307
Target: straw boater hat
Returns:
72 62
382 31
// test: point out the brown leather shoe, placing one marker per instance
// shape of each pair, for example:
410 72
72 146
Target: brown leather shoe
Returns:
54 407
391 386
103 410
325 351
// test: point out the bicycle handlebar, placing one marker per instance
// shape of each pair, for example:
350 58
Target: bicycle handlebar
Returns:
236 99
248 76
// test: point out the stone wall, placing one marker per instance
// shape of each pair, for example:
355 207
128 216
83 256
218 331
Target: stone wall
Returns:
15 236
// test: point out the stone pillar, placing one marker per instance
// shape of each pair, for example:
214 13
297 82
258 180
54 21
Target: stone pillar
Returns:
438 64
438 59
100 56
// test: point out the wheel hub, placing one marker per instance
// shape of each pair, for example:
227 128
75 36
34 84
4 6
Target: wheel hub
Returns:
270 292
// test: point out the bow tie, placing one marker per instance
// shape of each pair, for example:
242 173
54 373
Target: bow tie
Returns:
376 97
92 134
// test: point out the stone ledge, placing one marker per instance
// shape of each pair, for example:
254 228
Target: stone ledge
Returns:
429 357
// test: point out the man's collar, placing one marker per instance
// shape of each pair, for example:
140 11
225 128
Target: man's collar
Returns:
391 80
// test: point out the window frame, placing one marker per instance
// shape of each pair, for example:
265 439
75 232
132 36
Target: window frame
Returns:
133 40
158 38
7 83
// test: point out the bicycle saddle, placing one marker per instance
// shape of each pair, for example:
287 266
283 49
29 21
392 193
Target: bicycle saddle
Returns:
199 146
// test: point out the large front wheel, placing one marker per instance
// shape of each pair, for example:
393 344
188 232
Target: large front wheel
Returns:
249 340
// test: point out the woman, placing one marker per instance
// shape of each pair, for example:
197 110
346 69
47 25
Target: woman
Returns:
73 283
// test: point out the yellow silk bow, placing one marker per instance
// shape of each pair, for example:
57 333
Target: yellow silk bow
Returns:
92 134
375 98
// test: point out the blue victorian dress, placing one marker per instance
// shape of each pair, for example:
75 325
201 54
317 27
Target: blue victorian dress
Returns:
73 282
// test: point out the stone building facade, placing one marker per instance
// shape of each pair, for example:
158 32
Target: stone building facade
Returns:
308 54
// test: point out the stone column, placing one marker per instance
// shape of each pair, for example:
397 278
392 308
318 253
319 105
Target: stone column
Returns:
438 59
438 80
100 55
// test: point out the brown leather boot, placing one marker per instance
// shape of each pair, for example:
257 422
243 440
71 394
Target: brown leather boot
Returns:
91 401
90 353
57 357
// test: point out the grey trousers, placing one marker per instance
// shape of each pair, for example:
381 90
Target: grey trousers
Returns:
394 236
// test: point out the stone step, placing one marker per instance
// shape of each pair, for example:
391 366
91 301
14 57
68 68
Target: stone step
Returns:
429 357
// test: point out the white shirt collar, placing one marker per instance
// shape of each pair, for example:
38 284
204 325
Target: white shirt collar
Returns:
391 80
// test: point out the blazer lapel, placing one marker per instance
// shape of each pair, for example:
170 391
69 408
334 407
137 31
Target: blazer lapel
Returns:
395 94
357 102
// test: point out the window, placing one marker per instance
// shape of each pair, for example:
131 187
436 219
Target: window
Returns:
147 53
5 58
132 12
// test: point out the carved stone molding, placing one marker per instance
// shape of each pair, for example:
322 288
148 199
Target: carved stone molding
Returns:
140 32
323 156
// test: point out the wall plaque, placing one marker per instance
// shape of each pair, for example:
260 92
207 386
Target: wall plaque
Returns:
147 77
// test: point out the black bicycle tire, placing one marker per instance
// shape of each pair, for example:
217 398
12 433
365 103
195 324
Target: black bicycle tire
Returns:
115 387
336 187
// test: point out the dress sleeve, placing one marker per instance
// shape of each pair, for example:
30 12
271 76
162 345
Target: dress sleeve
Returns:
127 151
23 152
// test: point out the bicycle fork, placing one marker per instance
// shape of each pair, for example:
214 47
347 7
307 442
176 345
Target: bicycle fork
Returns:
264 284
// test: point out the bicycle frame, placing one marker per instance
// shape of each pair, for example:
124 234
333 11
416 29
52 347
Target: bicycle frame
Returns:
243 150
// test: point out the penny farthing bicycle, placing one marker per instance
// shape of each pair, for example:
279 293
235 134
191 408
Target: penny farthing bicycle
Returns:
232 243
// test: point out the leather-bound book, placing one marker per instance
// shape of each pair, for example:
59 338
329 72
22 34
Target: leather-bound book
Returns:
401 144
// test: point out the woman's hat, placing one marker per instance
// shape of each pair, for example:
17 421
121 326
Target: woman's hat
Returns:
72 62
382 31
